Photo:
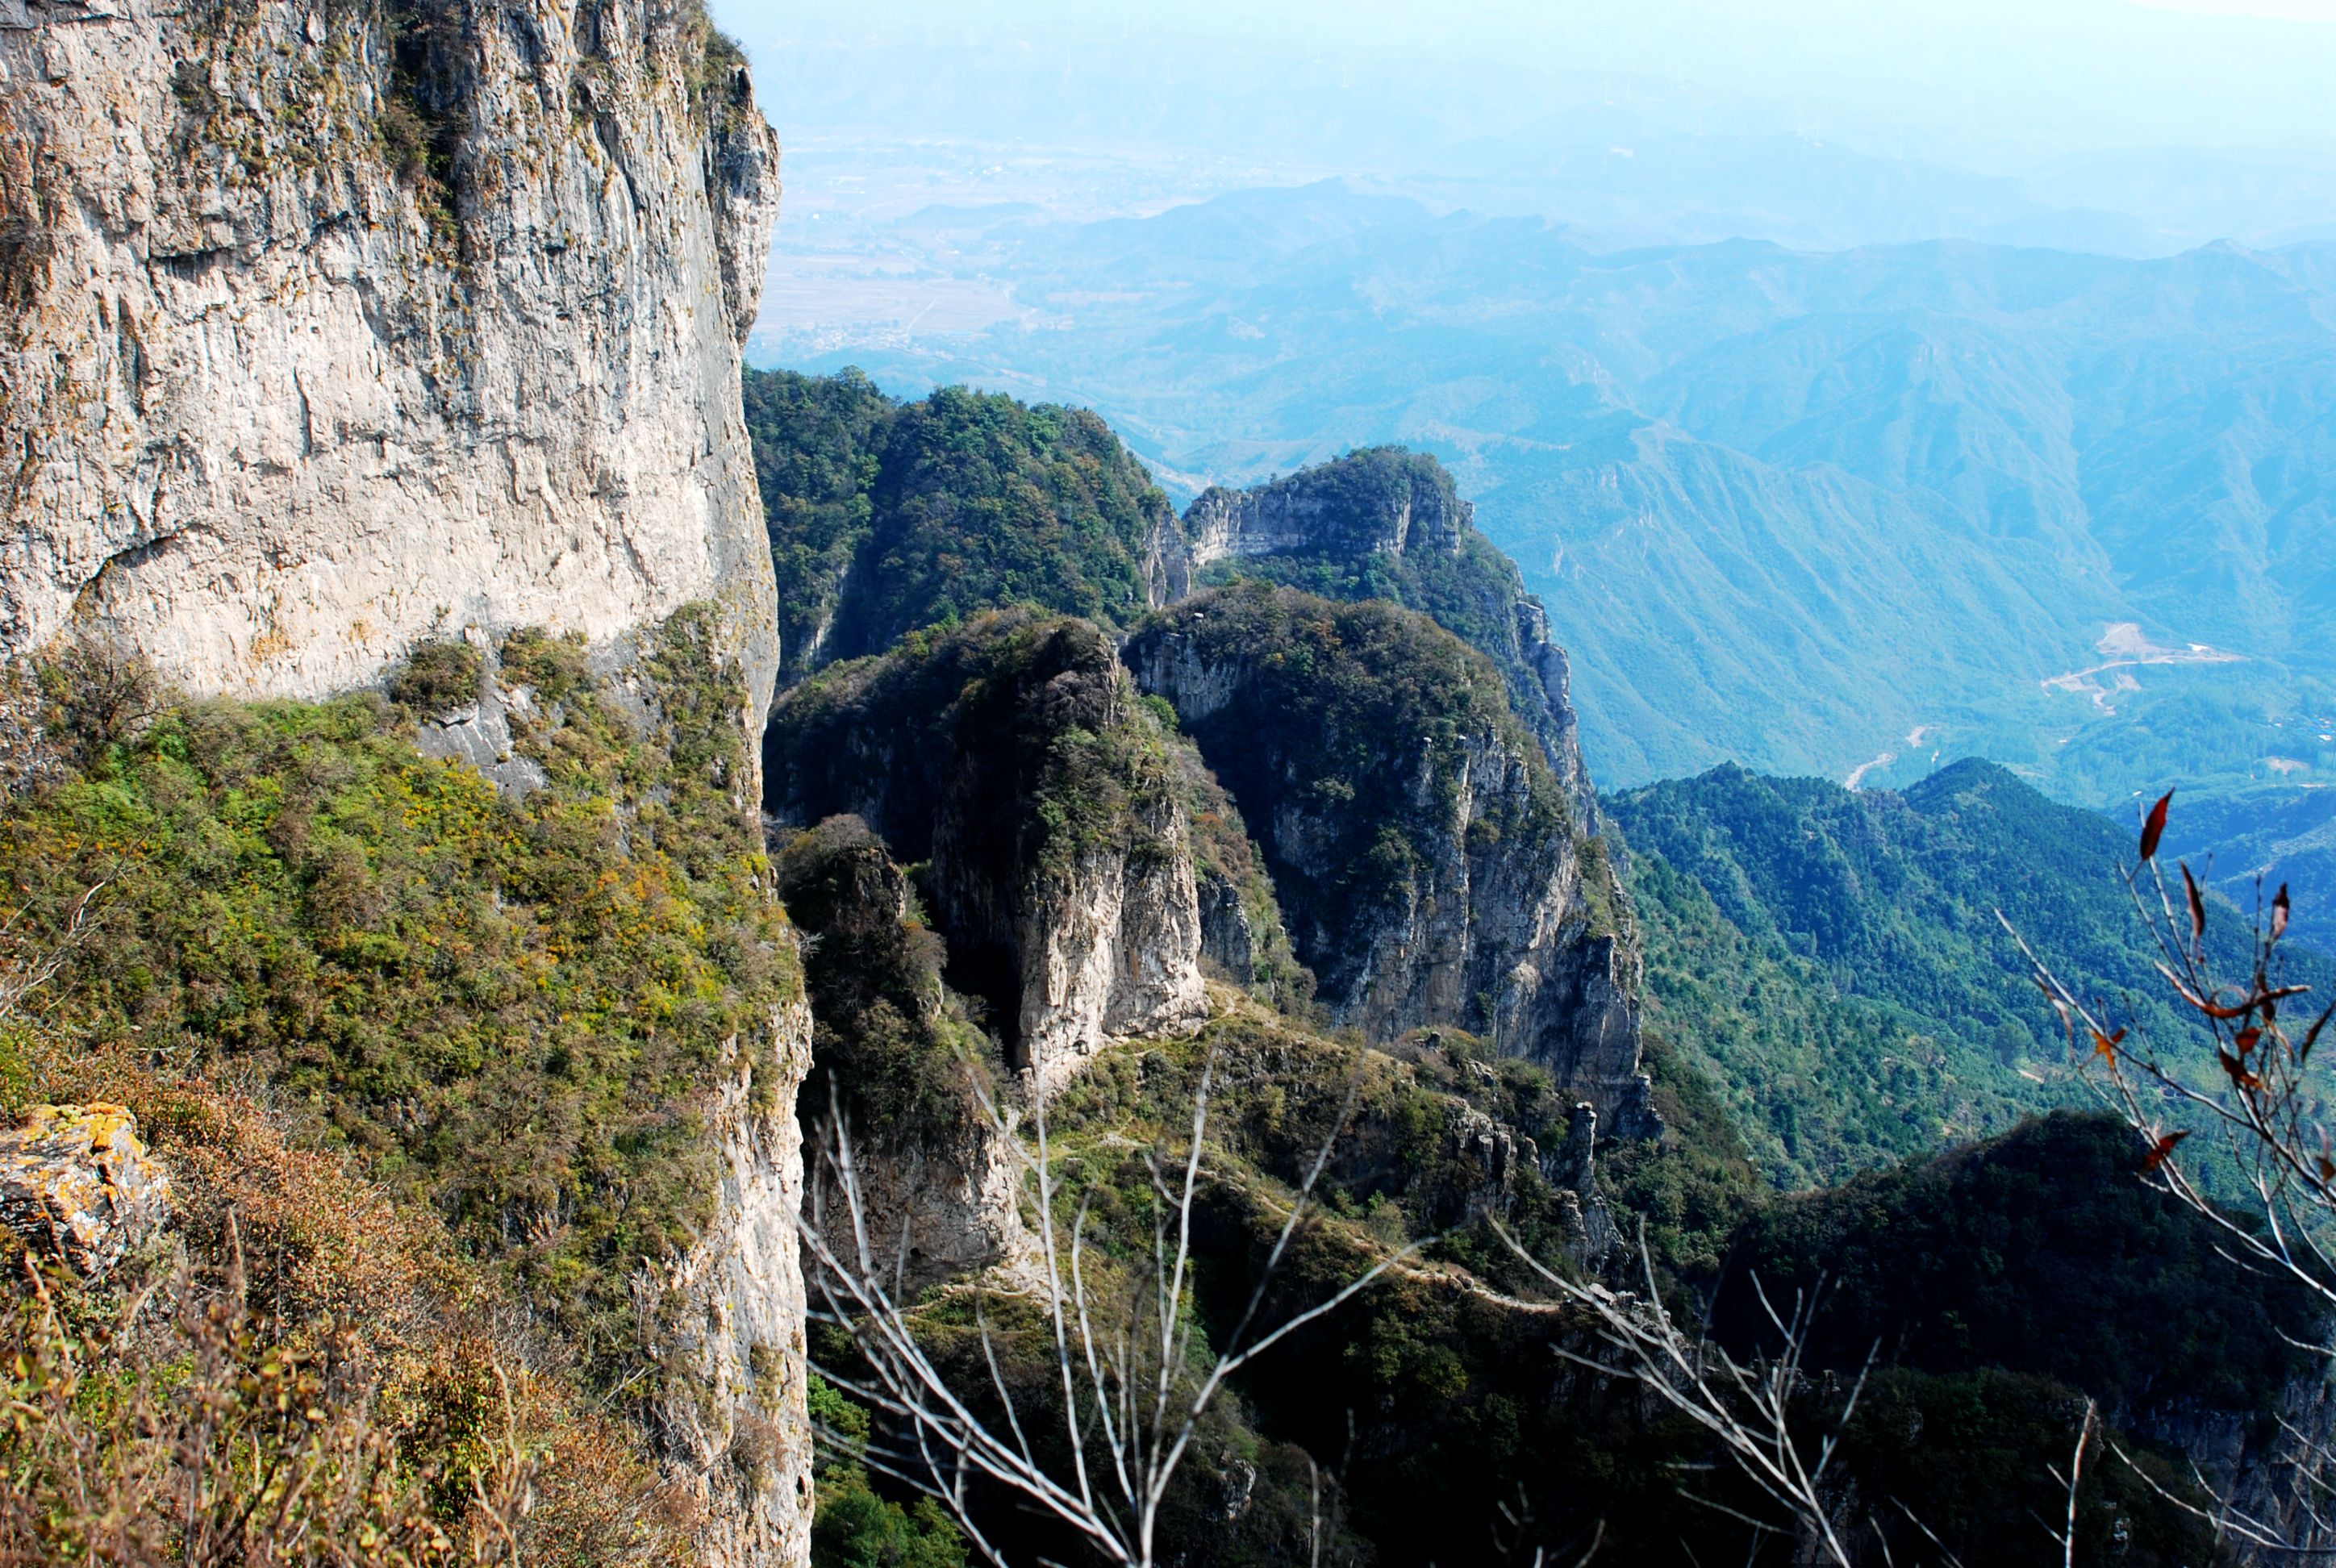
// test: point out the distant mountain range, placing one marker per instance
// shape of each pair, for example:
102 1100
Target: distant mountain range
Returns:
1863 139
1849 513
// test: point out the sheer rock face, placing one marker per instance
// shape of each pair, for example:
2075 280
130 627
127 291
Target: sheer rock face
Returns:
325 329
1013 757
729 1320
1412 506
1555 721
1431 870
277 409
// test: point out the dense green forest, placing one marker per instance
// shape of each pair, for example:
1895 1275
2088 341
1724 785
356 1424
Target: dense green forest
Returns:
1833 959
885 517
1848 1054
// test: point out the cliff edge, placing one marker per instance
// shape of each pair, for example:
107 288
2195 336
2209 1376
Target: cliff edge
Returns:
333 335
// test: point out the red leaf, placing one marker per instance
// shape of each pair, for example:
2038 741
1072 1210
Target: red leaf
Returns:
2248 1039
2312 1034
2327 1168
2106 1044
2279 913
2237 1070
2239 1010
2198 905
2155 828
2163 1147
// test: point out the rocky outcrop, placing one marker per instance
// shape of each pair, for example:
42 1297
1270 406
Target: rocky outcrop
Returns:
727 1322
329 328
2275 1471
1110 942
1385 522
77 1185
1383 500
1243 938
897 1061
1554 718
1013 757
1428 863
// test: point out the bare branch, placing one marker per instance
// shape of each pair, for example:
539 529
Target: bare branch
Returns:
1127 1372
1745 1407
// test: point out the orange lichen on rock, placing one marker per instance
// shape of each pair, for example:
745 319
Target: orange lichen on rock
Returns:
78 1184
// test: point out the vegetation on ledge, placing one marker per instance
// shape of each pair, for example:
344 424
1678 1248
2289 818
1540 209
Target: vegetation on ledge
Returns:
1348 731
1467 587
509 1011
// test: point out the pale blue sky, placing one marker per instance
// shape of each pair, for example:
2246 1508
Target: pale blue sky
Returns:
1997 85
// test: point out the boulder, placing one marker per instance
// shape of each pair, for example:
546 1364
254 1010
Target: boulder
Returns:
78 1184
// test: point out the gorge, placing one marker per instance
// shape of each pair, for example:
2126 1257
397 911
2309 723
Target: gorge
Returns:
501 802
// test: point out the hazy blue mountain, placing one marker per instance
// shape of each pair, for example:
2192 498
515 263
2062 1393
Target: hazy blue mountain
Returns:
1818 126
1805 512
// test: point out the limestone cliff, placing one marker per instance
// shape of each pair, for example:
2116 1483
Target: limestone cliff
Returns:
326 325
330 331
728 1323
1014 757
1375 502
1430 865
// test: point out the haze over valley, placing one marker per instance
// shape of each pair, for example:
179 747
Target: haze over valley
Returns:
1813 441
1341 785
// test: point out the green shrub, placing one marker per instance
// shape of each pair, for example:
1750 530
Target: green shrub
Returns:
512 1010
438 677
855 1527
95 694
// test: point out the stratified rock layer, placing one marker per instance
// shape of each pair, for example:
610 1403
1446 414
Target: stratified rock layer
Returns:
324 326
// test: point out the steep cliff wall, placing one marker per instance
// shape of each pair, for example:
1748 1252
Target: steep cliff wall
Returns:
328 325
331 330
1013 755
726 1323
1428 863
1381 502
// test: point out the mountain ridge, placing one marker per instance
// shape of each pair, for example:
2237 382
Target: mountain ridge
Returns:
2023 443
